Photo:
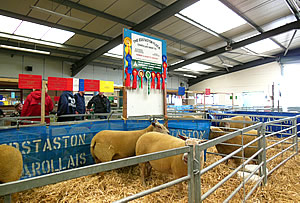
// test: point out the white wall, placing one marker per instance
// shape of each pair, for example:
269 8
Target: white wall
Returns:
12 66
257 79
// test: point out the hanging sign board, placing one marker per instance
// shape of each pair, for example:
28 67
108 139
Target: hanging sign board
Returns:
181 90
27 81
56 83
106 86
207 91
81 84
144 54
91 85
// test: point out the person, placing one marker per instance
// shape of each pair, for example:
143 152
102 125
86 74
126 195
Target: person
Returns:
17 113
32 105
66 105
80 104
102 104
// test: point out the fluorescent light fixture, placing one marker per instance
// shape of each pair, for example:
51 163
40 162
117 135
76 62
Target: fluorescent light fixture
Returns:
43 10
31 30
227 65
57 35
113 55
190 76
8 25
220 20
25 39
24 49
262 46
177 62
116 52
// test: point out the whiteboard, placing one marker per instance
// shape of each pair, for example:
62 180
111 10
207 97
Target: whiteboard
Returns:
139 103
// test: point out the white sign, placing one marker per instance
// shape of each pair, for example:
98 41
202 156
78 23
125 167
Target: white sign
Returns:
146 49
75 84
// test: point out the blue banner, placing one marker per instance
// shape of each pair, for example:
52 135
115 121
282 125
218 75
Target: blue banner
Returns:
49 149
190 128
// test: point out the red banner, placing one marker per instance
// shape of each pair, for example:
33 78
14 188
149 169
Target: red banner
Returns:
69 84
207 91
30 81
91 85
55 83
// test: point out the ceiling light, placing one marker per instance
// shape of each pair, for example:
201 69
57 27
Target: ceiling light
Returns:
113 55
57 35
196 67
201 12
262 46
191 76
24 49
227 65
25 39
31 30
176 62
43 10
8 25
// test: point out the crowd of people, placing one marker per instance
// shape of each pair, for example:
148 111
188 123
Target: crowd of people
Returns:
68 104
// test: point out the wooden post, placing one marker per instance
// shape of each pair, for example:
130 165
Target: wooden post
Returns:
232 102
43 102
165 102
124 102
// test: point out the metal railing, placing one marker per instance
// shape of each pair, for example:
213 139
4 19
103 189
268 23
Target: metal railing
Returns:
283 145
7 189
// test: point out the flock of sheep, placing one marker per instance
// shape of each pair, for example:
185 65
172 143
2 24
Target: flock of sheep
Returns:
109 145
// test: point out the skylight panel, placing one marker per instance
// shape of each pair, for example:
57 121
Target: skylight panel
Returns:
116 52
31 30
57 35
196 67
214 15
262 46
8 25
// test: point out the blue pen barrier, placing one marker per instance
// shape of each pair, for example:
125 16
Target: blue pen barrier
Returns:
48 149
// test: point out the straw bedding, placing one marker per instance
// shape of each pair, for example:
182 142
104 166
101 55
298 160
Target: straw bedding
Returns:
283 186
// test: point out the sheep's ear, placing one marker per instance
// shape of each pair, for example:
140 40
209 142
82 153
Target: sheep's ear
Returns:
181 137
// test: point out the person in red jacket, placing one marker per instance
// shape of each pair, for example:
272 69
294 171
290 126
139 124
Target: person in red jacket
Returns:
32 105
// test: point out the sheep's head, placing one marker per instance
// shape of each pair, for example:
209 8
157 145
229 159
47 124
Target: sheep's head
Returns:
215 132
193 142
157 127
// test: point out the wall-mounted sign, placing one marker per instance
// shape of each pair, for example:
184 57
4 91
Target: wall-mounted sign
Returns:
91 85
106 86
207 91
27 81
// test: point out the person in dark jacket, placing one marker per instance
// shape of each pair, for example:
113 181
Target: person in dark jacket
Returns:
32 105
102 104
17 113
80 104
66 105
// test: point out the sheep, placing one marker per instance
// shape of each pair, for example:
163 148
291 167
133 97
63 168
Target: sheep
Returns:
193 116
109 145
154 142
227 149
235 125
11 164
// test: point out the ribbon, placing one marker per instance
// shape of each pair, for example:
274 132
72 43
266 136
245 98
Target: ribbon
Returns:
148 76
158 81
153 80
134 83
141 75
127 81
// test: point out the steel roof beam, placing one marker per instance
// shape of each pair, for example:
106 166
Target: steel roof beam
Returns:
268 34
248 20
294 52
146 24
43 22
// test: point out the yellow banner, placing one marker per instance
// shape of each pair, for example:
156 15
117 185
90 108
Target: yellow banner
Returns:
106 86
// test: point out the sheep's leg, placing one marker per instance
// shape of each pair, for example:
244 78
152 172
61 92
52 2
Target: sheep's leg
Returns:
144 172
